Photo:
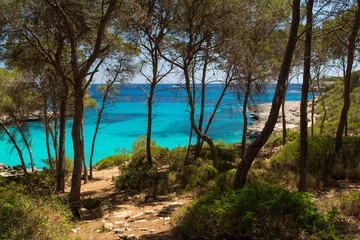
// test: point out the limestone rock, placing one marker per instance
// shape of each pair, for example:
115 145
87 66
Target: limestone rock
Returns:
109 226
119 230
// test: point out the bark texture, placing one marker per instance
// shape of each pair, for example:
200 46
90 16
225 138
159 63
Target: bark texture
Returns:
304 97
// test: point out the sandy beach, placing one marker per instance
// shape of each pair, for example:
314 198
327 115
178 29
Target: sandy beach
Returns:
260 112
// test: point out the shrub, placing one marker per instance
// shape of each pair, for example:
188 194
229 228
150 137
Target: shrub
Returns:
349 203
27 216
111 161
69 164
323 163
254 212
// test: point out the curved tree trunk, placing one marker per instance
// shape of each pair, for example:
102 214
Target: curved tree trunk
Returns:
192 120
202 104
46 125
48 145
254 148
93 144
15 145
26 144
304 99
347 79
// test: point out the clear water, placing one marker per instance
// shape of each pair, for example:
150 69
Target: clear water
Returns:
127 120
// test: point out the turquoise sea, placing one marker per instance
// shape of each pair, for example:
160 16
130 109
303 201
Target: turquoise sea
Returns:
126 120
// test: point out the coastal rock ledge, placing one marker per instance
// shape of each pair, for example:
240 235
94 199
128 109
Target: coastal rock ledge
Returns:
6 171
260 113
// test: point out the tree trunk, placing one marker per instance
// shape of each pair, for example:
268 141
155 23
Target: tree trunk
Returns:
186 162
323 105
84 158
60 161
15 145
149 123
93 143
304 99
347 79
202 104
216 107
46 125
254 148
283 117
192 119
78 145
26 144
312 110
106 94
54 135
244 113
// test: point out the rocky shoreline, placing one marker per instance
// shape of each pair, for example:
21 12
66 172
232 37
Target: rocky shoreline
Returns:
6 171
260 113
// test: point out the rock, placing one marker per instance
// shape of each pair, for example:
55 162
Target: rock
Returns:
143 229
122 223
128 237
142 220
152 230
109 226
166 218
138 215
83 211
124 214
73 230
131 237
119 230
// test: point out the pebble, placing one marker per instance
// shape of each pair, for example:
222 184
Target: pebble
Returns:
73 230
125 224
119 230
142 220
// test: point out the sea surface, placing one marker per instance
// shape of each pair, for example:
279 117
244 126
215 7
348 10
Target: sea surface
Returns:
126 120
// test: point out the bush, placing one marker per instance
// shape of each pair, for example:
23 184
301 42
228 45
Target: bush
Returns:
27 216
69 165
111 161
323 163
349 204
254 212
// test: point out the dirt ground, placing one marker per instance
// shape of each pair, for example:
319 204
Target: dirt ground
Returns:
128 216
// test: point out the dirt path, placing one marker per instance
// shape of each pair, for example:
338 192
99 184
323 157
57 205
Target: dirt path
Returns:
128 216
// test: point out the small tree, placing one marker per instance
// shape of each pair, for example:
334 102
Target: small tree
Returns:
149 25
19 100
